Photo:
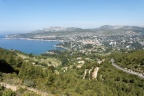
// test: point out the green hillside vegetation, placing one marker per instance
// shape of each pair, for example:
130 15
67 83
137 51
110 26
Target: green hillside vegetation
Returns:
57 82
132 60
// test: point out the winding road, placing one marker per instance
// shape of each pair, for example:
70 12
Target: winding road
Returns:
127 71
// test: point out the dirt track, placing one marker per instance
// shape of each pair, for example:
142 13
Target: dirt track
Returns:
16 87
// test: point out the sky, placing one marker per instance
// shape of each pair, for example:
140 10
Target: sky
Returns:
29 15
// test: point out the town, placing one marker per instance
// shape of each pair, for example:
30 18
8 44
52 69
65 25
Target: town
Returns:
103 43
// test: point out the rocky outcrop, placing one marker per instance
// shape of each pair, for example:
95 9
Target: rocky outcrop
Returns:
91 73
79 66
65 69
94 74
85 73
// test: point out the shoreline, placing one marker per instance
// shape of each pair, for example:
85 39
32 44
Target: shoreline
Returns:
53 45
57 46
34 39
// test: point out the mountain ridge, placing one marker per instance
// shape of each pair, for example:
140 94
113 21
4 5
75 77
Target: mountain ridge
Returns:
74 31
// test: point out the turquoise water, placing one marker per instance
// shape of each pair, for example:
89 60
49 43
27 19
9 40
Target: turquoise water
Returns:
28 46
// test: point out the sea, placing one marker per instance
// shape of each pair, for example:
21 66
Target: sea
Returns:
35 47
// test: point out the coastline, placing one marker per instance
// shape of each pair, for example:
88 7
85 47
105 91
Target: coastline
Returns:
34 39
35 46
57 46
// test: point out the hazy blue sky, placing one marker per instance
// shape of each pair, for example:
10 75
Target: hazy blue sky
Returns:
27 15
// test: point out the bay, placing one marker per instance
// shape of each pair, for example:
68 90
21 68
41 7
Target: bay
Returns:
35 47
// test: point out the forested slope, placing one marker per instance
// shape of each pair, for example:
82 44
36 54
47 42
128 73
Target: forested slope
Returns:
133 60
55 81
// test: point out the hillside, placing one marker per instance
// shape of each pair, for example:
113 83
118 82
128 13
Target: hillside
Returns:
77 74
133 60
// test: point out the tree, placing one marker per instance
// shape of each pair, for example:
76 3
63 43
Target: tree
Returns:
8 92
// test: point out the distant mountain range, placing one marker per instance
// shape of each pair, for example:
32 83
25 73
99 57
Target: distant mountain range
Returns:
73 31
